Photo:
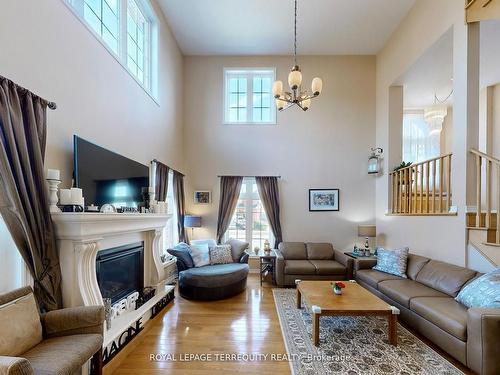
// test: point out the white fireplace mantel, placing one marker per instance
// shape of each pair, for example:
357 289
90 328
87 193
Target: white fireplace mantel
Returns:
82 235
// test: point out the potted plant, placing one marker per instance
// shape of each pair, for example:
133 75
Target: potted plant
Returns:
337 287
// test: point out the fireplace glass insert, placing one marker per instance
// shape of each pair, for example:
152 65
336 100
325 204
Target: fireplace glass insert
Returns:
120 271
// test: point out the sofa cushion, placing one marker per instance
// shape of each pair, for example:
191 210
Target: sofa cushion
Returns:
299 267
182 252
219 275
392 261
402 291
445 312
328 267
238 247
444 277
293 250
200 254
483 292
221 254
63 355
373 277
319 251
20 326
414 265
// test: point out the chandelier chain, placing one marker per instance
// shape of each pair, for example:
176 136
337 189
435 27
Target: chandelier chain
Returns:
295 36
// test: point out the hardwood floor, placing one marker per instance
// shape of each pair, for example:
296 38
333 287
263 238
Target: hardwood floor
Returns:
246 324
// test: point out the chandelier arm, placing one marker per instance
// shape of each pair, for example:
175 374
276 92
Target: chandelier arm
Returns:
285 100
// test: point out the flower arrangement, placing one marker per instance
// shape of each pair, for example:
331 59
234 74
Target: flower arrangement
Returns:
337 287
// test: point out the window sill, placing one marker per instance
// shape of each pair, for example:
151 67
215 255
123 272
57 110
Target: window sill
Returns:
250 123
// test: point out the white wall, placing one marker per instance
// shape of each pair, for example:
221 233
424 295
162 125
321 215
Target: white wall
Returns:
325 147
46 49
438 237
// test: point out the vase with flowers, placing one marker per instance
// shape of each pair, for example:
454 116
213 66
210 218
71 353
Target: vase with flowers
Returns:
337 287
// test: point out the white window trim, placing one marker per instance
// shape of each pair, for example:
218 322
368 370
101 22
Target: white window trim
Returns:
121 57
245 71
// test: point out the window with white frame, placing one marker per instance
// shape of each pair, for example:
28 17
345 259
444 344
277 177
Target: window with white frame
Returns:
249 222
126 28
419 143
170 234
13 271
248 96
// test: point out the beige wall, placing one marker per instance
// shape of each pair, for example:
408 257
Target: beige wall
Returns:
326 147
49 51
439 237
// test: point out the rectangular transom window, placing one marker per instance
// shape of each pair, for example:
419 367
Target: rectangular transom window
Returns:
248 96
249 222
127 28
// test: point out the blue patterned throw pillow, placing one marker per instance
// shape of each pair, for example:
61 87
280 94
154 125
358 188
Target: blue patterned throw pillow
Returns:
392 261
483 292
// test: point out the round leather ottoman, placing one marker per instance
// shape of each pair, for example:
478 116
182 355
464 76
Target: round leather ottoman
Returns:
213 282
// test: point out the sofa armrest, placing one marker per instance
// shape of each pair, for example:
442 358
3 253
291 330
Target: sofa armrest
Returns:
345 260
279 268
15 366
244 258
483 331
364 264
74 321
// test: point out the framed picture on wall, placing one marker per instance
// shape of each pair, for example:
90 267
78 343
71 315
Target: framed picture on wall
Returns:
202 197
323 199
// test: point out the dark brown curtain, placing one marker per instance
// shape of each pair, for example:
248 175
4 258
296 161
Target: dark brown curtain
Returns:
161 181
270 197
23 193
180 204
230 187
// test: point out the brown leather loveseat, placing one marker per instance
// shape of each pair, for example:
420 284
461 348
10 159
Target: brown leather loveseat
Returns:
427 304
310 261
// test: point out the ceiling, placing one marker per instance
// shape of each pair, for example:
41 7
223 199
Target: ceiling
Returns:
431 74
265 27
433 71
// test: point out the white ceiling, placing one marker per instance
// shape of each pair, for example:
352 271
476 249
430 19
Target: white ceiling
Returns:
433 71
265 27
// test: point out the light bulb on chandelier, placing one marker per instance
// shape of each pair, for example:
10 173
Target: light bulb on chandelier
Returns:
296 96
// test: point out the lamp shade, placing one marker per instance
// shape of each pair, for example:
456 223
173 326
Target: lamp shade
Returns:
317 86
295 79
277 89
191 221
280 104
306 104
367 231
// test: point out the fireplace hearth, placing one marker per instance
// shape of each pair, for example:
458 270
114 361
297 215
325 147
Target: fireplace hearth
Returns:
120 271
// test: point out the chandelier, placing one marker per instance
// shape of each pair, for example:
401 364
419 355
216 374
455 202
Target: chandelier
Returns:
296 96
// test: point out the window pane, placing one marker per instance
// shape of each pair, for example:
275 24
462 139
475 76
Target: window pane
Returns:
95 6
137 39
110 20
233 115
110 40
242 115
92 19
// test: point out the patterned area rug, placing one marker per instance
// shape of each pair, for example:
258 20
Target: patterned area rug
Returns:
352 345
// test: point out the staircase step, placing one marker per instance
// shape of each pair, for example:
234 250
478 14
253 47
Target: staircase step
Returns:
492 244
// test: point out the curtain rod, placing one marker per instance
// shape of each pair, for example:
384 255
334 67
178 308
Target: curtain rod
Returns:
246 176
157 161
52 105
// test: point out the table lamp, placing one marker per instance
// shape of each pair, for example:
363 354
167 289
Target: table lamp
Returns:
367 231
192 221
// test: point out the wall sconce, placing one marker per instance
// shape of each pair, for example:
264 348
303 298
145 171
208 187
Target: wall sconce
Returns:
374 161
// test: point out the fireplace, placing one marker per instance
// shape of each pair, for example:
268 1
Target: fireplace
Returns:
120 271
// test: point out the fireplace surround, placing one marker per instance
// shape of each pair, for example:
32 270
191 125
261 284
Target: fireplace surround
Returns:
120 271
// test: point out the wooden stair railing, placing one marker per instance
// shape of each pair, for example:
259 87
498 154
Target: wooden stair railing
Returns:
423 188
489 220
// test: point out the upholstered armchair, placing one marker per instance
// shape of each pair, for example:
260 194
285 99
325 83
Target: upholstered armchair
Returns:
58 342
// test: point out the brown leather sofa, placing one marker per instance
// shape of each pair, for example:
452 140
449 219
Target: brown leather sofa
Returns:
427 304
310 261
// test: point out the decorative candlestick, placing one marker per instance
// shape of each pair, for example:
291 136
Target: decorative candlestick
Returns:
53 188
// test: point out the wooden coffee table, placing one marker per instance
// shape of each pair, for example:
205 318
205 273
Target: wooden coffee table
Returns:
354 301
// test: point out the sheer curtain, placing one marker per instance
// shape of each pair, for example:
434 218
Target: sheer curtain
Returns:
419 143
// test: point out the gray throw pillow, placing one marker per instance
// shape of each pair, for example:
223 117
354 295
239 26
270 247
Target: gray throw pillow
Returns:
392 261
221 254
182 252
237 248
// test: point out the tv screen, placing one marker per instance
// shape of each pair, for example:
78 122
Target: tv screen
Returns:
107 177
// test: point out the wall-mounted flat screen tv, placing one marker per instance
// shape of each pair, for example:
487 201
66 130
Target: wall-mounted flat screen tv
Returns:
107 177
